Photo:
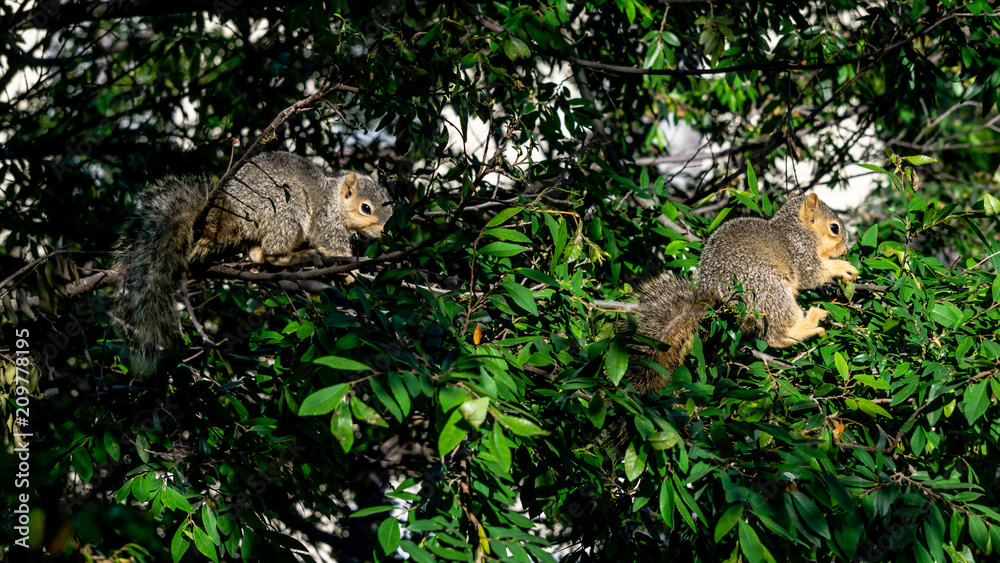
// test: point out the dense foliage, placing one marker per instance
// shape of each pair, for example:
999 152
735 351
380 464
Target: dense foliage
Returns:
454 402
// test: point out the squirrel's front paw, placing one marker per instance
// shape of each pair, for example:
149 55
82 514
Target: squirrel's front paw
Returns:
850 272
841 269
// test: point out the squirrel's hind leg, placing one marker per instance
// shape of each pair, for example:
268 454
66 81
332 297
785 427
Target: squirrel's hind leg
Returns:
282 235
257 254
806 326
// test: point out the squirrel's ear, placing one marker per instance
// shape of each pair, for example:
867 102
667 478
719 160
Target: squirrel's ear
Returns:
347 187
809 209
375 175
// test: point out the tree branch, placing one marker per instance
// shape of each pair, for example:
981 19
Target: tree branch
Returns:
50 14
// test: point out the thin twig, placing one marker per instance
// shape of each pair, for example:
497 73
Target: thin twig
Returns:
983 261
194 318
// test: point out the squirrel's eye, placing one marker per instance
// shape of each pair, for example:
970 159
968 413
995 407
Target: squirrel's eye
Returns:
366 209
835 228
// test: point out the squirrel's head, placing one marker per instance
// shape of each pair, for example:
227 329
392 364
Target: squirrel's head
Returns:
831 236
365 203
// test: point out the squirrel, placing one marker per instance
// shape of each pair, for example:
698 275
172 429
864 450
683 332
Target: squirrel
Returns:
771 259
275 203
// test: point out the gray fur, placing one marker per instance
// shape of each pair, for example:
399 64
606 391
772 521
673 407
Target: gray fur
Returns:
670 310
276 203
770 259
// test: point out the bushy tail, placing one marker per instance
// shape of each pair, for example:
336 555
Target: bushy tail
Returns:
670 309
151 259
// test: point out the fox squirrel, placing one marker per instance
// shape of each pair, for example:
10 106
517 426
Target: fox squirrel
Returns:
771 259
276 203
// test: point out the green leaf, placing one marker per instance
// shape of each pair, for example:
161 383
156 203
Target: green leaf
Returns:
451 435
874 168
324 400
172 498
975 401
664 439
750 545
82 463
667 501
616 360
934 533
210 523
452 396
693 511
388 535
226 523
399 391
111 445
919 159
848 288
889 175
881 264
504 214
122 493
521 295
871 381
752 179
474 411
205 545
369 415
508 234
371 510
866 405
342 427
870 238
726 522
746 200
630 11
521 426
922 556
946 314
500 446
387 401
841 364
502 249
536 276
178 545
557 229
991 205
718 219
964 345
634 463
596 410
515 49
336 362
811 514
978 531
419 554
469 60
918 203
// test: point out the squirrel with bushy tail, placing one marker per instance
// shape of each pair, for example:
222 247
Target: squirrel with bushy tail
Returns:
772 260
276 203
